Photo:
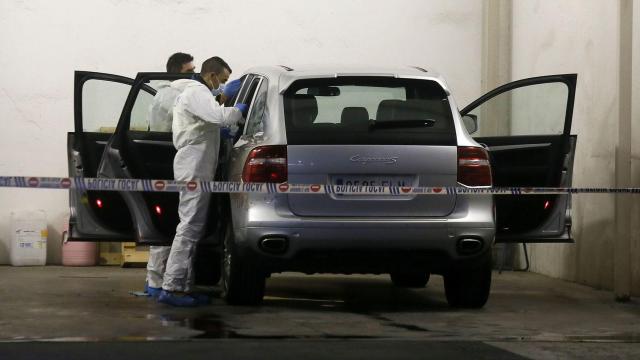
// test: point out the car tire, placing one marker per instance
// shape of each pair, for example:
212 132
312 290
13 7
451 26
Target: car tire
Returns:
414 279
469 287
242 281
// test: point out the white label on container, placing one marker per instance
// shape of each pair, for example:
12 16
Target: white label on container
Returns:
28 239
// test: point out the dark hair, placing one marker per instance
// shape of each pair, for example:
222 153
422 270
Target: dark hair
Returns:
175 62
214 65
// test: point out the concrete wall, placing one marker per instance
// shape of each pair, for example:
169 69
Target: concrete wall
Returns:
44 41
583 36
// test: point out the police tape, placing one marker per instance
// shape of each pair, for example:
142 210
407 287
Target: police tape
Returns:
145 185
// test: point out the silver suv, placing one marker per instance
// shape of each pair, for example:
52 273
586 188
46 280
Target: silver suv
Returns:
345 126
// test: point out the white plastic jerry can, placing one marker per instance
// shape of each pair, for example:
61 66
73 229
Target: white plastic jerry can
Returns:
28 246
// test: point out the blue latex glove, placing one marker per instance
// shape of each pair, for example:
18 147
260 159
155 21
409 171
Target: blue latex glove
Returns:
232 88
225 133
244 108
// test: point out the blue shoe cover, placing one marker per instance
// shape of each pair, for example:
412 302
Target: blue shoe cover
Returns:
177 300
152 291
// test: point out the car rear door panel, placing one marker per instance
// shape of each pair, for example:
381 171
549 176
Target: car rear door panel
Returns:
153 149
95 215
145 156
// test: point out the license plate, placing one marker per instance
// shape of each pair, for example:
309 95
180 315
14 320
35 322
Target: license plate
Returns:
377 180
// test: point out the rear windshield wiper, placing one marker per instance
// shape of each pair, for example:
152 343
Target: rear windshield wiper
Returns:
395 124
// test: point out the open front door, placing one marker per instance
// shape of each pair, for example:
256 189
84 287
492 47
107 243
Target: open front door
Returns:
526 127
98 102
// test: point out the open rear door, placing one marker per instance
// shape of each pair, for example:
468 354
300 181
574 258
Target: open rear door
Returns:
526 127
98 102
142 148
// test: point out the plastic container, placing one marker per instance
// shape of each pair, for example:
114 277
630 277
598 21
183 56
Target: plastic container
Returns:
78 253
28 245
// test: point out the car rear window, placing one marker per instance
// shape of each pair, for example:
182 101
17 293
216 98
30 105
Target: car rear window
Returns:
368 110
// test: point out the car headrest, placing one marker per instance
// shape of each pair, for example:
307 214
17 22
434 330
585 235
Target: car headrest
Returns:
388 109
354 116
304 109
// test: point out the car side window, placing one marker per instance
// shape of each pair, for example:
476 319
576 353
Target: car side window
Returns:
244 89
529 110
102 103
140 118
154 112
232 101
257 111
251 91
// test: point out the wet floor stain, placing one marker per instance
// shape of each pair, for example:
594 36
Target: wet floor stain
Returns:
408 327
613 338
210 325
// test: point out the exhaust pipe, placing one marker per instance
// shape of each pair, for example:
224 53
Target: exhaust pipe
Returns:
469 246
274 244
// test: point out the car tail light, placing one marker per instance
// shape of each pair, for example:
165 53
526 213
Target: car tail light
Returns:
158 210
266 164
99 203
474 168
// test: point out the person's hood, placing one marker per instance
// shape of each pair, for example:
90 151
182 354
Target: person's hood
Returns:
162 84
182 84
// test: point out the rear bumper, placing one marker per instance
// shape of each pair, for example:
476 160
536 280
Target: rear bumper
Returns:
365 245
366 249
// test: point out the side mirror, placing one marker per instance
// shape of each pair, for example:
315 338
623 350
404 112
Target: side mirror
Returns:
471 123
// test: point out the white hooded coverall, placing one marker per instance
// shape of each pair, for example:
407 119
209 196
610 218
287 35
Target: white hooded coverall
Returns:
197 119
161 110
160 119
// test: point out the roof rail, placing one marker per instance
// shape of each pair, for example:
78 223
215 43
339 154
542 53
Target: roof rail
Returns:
419 68
286 67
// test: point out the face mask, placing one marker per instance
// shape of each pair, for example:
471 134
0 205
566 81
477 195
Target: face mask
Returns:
219 90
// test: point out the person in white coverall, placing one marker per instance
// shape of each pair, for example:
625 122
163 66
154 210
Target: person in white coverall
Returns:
160 119
197 119
161 110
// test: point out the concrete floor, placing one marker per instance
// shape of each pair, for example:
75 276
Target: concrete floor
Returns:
528 315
